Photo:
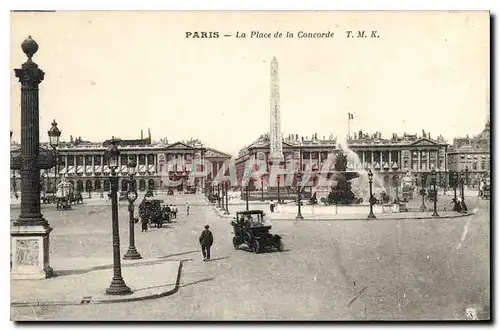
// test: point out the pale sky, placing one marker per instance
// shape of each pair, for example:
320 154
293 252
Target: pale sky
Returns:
115 73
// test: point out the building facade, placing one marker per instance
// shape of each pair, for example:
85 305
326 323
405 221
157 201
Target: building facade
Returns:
389 159
471 156
85 166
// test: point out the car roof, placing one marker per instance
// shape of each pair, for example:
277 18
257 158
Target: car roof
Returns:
246 212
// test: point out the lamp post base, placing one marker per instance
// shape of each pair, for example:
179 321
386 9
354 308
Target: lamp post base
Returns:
132 254
435 214
423 208
299 217
371 216
118 287
226 212
30 252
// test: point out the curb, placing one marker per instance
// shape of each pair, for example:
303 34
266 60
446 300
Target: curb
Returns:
366 219
100 300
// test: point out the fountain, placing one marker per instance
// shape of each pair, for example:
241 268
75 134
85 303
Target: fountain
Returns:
342 193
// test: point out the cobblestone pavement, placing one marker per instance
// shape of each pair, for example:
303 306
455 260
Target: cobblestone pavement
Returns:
342 270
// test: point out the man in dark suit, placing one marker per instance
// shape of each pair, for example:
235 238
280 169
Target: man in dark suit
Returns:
206 241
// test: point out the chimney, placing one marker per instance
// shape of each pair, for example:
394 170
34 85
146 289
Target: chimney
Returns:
142 134
354 135
360 134
149 134
71 138
296 136
302 138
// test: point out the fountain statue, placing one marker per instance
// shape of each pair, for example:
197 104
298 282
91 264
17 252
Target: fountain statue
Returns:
342 193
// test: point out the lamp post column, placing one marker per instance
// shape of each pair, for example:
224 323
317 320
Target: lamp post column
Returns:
299 202
246 196
218 195
132 253
434 180
262 189
30 232
371 215
226 210
422 192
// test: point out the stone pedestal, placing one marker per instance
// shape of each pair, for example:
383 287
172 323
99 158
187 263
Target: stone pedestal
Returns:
30 252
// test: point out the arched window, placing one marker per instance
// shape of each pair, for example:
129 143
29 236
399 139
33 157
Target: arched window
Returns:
151 184
106 185
125 185
142 185
97 185
79 185
88 185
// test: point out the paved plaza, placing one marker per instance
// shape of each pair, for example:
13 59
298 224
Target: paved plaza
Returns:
329 270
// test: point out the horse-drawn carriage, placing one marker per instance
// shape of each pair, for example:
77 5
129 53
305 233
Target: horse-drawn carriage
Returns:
249 229
152 212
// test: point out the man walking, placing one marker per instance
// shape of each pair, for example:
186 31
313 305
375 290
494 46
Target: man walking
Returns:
206 241
187 208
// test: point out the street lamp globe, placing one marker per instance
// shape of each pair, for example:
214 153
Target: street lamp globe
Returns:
54 134
113 153
131 166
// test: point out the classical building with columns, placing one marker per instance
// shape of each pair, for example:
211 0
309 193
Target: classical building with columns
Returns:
390 159
84 164
471 156
393 158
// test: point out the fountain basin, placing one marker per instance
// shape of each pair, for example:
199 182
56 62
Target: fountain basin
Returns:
341 209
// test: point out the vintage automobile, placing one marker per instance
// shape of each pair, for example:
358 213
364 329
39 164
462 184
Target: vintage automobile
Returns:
151 211
63 196
250 229
485 190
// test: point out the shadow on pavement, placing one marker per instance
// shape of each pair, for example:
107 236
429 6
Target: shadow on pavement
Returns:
197 282
219 258
176 254
69 272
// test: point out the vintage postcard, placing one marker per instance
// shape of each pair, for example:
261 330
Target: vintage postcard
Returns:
250 166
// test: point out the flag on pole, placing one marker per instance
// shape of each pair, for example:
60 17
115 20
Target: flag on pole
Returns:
351 116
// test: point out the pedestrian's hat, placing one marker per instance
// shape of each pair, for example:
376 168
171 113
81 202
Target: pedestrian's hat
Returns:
207 226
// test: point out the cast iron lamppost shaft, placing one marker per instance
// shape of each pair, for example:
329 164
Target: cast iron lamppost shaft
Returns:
262 189
422 192
434 180
370 182
226 211
299 216
462 182
132 253
117 286
54 135
246 196
455 180
218 195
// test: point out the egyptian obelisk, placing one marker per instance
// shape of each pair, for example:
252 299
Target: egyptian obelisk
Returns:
275 139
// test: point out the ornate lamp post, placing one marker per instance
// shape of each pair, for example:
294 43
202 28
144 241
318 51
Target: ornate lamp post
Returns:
218 195
226 210
434 181
279 199
462 181
467 176
30 232
132 253
262 189
117 286
422 192
396 179
370 182
299 202
455 181
54 135
246 196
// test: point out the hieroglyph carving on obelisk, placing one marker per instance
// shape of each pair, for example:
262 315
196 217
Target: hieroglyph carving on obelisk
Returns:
275 141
